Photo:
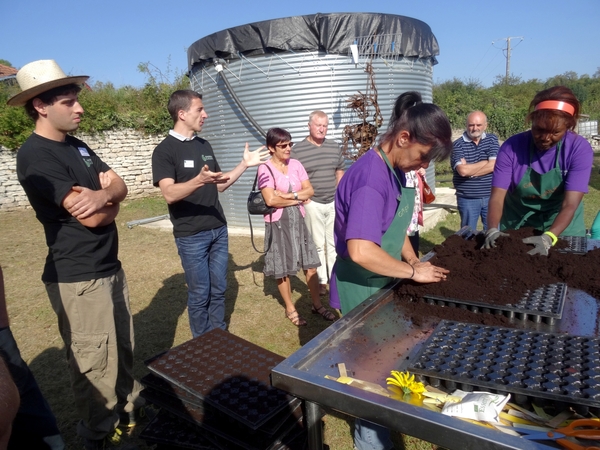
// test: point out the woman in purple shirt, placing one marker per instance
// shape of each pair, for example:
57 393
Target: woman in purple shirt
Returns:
373 208
541 174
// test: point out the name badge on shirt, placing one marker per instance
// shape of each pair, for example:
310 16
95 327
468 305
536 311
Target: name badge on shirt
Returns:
86 156
188 163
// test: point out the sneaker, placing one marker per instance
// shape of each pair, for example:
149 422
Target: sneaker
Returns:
111 440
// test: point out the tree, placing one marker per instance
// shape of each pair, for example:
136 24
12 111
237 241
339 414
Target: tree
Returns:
5 63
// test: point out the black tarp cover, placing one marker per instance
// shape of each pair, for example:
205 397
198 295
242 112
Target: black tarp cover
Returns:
330 33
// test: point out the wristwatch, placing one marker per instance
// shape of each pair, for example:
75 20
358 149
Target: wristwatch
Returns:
295 195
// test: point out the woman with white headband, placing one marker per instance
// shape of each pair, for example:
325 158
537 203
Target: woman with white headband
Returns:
541 175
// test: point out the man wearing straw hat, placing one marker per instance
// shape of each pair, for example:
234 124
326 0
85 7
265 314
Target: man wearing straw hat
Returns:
76 197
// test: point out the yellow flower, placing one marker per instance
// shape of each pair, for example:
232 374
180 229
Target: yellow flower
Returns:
406 382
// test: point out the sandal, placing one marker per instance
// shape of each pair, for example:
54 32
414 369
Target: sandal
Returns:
295 318
327 315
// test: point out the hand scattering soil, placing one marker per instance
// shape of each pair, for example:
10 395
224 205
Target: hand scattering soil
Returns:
503 274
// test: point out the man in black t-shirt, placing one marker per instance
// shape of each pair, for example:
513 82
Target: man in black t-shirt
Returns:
190 179
76 197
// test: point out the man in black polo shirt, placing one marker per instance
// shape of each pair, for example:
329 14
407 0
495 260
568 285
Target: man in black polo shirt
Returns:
190 179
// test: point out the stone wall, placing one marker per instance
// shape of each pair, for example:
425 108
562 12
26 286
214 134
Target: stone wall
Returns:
127 152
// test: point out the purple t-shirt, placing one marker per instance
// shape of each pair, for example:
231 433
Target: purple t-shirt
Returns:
366 201
294 178
575 160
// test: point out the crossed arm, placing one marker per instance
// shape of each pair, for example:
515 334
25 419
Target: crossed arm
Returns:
279 199
477 169
96 208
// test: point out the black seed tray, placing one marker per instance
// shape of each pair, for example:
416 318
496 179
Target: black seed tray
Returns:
168 429
224 426
545 303
577 245
556 367
158 384
226 372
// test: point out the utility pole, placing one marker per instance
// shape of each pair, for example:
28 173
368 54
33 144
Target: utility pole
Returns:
508 55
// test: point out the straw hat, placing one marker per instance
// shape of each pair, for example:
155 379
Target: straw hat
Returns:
38 77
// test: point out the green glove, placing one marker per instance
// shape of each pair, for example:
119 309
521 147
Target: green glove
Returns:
542 244
490 237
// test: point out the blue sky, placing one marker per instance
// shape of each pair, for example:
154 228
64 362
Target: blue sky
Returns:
107 39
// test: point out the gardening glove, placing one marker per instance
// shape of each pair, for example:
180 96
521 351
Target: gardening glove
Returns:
542 244
490 237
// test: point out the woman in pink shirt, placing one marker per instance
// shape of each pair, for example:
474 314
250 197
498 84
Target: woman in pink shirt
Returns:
285 186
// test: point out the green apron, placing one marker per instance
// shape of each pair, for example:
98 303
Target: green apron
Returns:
355 283
537 200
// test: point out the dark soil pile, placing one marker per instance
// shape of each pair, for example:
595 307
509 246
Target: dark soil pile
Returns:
502 275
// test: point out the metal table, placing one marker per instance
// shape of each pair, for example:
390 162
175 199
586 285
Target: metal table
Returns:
372 340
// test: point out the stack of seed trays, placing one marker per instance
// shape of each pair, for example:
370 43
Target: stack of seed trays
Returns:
543 304
577 245
534 367
219 384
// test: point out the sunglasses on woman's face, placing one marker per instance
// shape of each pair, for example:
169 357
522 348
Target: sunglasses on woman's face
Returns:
282 146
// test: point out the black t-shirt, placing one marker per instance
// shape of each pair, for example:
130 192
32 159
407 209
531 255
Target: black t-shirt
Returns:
182 161
48 170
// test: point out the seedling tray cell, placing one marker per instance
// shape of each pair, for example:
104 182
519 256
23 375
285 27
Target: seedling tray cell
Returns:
528 364
577 245
227 372
543 304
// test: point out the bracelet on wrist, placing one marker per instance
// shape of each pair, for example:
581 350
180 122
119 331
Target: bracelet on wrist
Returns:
552 236
295 195
413 274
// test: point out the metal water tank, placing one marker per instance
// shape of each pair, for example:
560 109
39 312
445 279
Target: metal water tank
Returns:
276 72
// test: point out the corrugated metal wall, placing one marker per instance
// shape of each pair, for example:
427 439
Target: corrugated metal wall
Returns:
281 90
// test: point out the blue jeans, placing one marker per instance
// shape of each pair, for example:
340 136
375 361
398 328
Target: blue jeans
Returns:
370 436
471 209
204 257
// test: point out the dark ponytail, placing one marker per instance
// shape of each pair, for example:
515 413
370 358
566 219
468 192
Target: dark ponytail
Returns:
426 123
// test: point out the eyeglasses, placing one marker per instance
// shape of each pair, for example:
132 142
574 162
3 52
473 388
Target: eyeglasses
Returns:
282 146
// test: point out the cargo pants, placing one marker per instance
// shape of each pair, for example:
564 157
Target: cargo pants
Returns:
96 325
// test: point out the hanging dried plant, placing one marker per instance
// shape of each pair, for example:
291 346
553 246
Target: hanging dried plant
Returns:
364 105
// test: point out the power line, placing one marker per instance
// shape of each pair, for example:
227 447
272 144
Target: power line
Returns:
477 65
487 70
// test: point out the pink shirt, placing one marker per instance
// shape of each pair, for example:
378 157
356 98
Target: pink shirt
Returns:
284 183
